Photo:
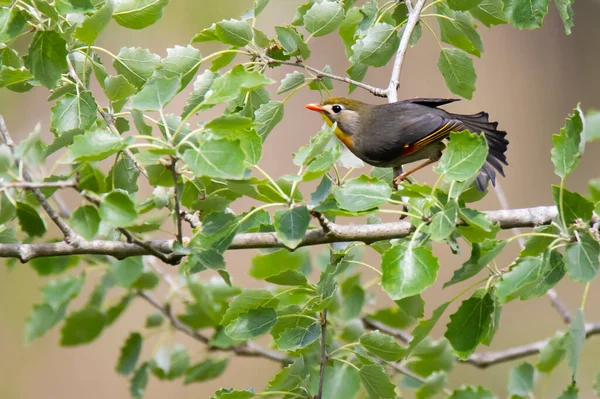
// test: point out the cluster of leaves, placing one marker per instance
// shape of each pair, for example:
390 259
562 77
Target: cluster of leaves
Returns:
208 166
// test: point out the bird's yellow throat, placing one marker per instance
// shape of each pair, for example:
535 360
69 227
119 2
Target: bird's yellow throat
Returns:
344 138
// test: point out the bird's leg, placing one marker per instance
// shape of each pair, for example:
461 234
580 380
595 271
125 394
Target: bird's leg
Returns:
402 176
397 173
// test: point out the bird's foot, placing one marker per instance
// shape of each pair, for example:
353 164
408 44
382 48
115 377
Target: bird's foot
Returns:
399 179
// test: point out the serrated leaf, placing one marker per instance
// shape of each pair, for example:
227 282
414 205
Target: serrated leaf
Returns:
341 382
117 88
247 300
117 209
73 112
127 271
323 18
234 32
96 145
137 385
376 382
155 94
575 341
382 346
292 42
464 157
94 24
12 22
202 84
572 392
582 258
291 81
217 158
443 223
58 293
568 145
472 393
252 323
298 337
123 175
520 380
82 327
459 30
130 353
281 267
481 255
138 14
463 5
470 324
523 273
490 12
170 362
230 85
291 225
206 370
377 47
362 193
552 353
574 205
458 71
136 64
42 319
47 57
526 14
433 384
12 76
30 220
407 271
268 116
289 377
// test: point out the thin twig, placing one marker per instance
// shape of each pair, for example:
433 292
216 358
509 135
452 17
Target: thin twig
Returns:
70 236
555 301
299 64
507 219
175 193
324 356
246 349
413 20
31 185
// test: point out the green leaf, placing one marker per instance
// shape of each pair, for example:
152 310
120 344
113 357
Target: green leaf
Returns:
234 32
591 130
377 47
292 42
117 88
568 145
582 258
537 245
341 382
259 6
154 320
96 145
433 385
289 377
82 327
574 205
472 393
348 29
490 12
58 293
170 362
268 115
520 380
470 324
550 272
227 393
291 81
298 337
47 57
382 346
458 71
362 193
130 353
229 122
42 319
136 64
202 84
443 223
6 158
323 18
464 157
117 209
94 24
376 382
552 353
247 300
181 63
526 14
481 255
463 5
138 14
572 392
520 276
460 30
291 225
127 271
123 176
74 112
206 370
408 271
597 384
217 158
30 220
12 76
281 267
233 83
138 383
575 341
12 22
155 94
252 324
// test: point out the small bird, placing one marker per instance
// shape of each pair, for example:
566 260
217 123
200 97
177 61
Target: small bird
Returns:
394 134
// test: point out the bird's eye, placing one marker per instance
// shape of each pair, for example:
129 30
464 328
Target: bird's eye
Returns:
336 109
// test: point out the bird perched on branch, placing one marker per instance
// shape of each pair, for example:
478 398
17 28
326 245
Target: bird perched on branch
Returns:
391 135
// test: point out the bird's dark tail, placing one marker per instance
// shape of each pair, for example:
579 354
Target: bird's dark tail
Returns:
497 146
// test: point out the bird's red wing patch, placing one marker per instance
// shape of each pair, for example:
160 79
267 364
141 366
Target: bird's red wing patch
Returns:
437 135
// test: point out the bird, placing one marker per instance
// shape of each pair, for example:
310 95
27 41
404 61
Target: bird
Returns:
394 134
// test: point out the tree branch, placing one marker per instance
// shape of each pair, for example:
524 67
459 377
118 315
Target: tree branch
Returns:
70 236
526 217
29 185
324 357
176 195
247 349
413 19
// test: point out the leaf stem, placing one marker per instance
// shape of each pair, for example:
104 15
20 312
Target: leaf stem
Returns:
346 362
275 185
516 237
585 294
345 347
298 315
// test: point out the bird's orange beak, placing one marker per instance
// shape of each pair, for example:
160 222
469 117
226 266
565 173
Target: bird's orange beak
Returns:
314 107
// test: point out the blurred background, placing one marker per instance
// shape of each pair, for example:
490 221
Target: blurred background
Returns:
529 81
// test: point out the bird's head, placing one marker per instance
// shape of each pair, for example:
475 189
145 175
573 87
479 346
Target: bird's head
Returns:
345 112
